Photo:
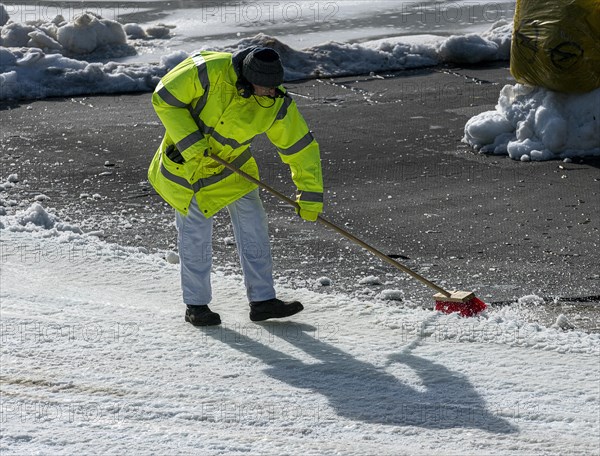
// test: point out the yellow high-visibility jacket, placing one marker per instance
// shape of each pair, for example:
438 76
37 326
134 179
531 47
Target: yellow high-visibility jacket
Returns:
201 109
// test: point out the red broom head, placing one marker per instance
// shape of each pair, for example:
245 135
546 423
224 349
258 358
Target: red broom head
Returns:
470 307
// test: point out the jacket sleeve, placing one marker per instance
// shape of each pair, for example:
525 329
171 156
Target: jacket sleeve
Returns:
173 101
298 149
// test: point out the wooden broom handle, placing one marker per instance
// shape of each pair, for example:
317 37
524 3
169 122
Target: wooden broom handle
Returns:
331 225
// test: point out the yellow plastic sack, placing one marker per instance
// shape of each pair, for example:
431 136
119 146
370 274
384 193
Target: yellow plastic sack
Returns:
556 44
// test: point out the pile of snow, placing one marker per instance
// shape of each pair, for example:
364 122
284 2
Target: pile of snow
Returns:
370 280
494 44
87 33
44 60
323 281
34 74
392 295
538 124
38 225
392 53
11 180
172 257
36 218
562 322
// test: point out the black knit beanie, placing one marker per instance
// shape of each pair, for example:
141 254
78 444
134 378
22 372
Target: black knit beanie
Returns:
262 67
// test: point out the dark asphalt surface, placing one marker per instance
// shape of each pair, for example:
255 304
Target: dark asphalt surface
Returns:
396 175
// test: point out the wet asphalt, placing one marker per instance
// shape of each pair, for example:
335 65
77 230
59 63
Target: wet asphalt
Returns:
396 175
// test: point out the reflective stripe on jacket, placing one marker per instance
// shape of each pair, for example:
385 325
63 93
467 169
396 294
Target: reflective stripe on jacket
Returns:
201 109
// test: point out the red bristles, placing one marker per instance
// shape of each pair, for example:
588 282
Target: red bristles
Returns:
468 308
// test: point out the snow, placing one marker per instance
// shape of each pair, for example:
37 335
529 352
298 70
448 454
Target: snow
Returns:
392 295
494 44
370 280
59 57
538 124
172 257
323 281
563 322
56 57
36 218
134 31
229 240
96 359
89 33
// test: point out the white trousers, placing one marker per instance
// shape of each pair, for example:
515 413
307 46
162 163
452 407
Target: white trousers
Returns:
252 238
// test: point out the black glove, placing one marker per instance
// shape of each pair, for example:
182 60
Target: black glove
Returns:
174 155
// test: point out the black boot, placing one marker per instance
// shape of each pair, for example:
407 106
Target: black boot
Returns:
273 308
201 316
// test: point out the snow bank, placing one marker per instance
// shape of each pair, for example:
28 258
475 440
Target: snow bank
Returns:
538 124
44 59
51 59
393 53
493 44
35 74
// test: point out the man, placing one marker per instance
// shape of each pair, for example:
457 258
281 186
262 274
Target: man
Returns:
216 102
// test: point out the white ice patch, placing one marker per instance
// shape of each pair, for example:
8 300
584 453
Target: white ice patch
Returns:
538 124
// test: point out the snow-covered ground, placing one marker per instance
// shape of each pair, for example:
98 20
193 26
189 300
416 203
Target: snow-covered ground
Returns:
96 359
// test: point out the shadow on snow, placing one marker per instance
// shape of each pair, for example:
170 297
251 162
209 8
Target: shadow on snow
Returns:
361 391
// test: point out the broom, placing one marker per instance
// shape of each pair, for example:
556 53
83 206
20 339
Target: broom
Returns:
463 302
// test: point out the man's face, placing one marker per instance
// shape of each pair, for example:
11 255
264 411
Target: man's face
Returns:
263 91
